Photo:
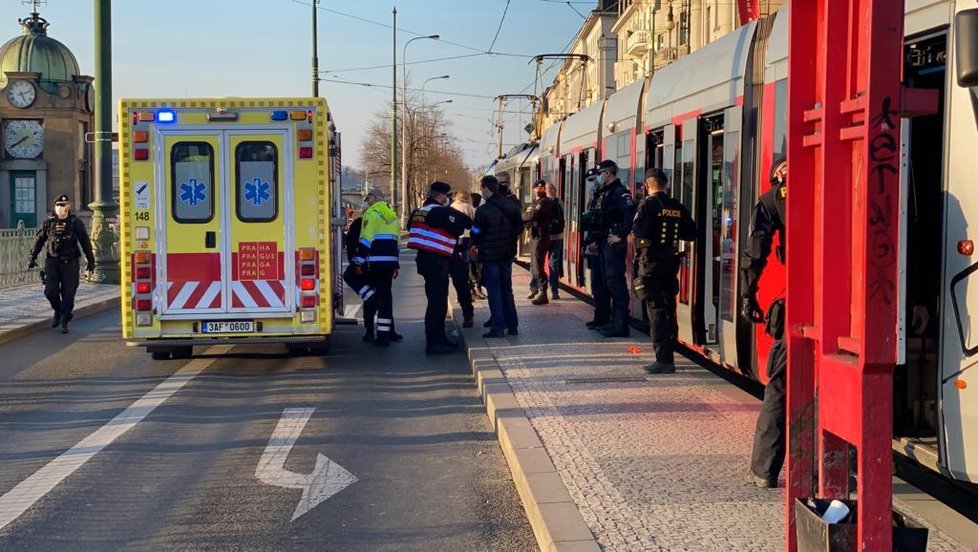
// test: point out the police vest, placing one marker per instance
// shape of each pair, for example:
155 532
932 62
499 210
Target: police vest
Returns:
61 238
423 237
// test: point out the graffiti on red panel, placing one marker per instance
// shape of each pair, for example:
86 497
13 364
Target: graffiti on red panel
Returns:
258 261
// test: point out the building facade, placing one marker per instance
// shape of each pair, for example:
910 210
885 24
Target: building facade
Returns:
654 33
46 110
588 75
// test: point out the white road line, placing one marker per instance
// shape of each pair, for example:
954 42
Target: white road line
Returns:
19 499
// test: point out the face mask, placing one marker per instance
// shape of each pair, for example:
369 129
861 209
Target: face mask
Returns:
61 211
600 179
541 193
446 202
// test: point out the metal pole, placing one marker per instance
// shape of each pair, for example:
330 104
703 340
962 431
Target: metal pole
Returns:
315 52
394 112
405 155
103 208
499 127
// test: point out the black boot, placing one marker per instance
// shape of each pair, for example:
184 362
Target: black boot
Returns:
56 320
615 329
64 322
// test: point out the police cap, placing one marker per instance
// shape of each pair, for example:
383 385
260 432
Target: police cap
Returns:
376 192
776 166
656 174
438 187
62 200
540 184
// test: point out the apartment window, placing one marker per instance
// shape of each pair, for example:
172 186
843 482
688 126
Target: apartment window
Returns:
683 28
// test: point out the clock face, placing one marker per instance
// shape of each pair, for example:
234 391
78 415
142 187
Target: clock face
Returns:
23 139
21 93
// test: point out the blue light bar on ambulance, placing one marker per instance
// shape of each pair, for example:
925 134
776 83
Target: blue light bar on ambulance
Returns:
280 115
166 116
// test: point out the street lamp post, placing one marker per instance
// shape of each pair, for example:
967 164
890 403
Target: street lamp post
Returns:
425 151
404 118
104 207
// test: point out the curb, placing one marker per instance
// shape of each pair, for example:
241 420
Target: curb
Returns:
44 324
554 516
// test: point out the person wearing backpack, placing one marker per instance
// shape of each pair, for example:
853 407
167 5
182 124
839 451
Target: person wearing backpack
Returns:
538 218
64 233
555 258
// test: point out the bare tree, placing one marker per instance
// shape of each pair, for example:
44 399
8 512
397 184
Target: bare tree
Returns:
431 155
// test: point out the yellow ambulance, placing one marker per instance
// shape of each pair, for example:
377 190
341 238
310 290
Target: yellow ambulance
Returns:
228 233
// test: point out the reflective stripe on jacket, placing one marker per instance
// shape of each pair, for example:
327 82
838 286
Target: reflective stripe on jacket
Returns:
423 236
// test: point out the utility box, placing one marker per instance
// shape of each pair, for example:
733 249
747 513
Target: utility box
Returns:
815 535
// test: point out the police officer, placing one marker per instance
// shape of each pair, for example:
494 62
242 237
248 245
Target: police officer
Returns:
378 255
614 211
660 223
63 233
767 456
434 230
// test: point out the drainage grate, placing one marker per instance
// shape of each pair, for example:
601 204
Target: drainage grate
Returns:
610 379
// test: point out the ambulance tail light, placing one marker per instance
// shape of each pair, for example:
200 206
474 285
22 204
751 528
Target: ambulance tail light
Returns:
143 282
305 152
307 260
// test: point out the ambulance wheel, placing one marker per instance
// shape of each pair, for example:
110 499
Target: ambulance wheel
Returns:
160 355
183 352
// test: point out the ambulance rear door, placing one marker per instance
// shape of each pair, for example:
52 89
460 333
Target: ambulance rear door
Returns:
226 242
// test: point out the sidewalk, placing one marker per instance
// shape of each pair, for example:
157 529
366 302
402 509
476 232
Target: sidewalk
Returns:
24 310
605 455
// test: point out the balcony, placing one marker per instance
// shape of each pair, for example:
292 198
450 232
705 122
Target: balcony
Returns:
637 43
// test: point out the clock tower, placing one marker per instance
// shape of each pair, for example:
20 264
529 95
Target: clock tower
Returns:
46 109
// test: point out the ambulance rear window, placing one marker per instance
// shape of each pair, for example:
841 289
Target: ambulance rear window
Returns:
256 183
192 187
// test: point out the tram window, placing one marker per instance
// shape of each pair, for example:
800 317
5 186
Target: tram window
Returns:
256 181
623 157
688 153
728 242
780 139
192 182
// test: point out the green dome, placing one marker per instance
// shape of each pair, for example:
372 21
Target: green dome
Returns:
35 51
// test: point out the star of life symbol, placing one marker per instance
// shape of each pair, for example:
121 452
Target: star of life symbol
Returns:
193 192
256 191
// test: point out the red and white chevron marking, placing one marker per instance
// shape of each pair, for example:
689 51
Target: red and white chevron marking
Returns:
193 295
258 294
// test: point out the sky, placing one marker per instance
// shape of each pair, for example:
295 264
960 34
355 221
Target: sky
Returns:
262 48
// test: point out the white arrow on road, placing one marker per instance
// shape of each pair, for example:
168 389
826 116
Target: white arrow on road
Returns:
327 479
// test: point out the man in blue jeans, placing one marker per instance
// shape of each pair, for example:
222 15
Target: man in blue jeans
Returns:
498 222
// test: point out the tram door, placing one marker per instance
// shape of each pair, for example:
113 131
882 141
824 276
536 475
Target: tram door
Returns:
572 236
728 212
674 165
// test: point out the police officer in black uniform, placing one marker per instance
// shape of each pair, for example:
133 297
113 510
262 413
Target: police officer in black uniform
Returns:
610 222
63 232
433 230
767 456
660 223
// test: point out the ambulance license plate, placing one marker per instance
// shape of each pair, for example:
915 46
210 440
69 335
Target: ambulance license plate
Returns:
228 326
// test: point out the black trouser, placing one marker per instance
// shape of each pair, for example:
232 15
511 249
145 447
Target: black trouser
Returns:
434 269
613 259
538 262
459 272
599 289
769 437
382 280
661 280
361 284
60 285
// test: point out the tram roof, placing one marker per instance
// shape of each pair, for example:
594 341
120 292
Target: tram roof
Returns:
580 129
548 142
624 106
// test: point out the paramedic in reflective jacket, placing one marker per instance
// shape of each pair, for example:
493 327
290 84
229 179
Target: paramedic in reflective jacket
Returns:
767 456
434 230
378 255
660 223
63 233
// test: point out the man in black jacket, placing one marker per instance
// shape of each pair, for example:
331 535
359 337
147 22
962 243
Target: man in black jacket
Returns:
613 213
767 456
434 230
63 233
660 223
498 223
537 216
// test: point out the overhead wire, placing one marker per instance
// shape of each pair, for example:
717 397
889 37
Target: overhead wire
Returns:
499 27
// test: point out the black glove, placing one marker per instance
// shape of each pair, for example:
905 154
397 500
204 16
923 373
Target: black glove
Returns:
750 309
32 265
90 267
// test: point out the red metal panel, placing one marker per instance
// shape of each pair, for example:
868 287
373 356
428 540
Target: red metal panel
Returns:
843 146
